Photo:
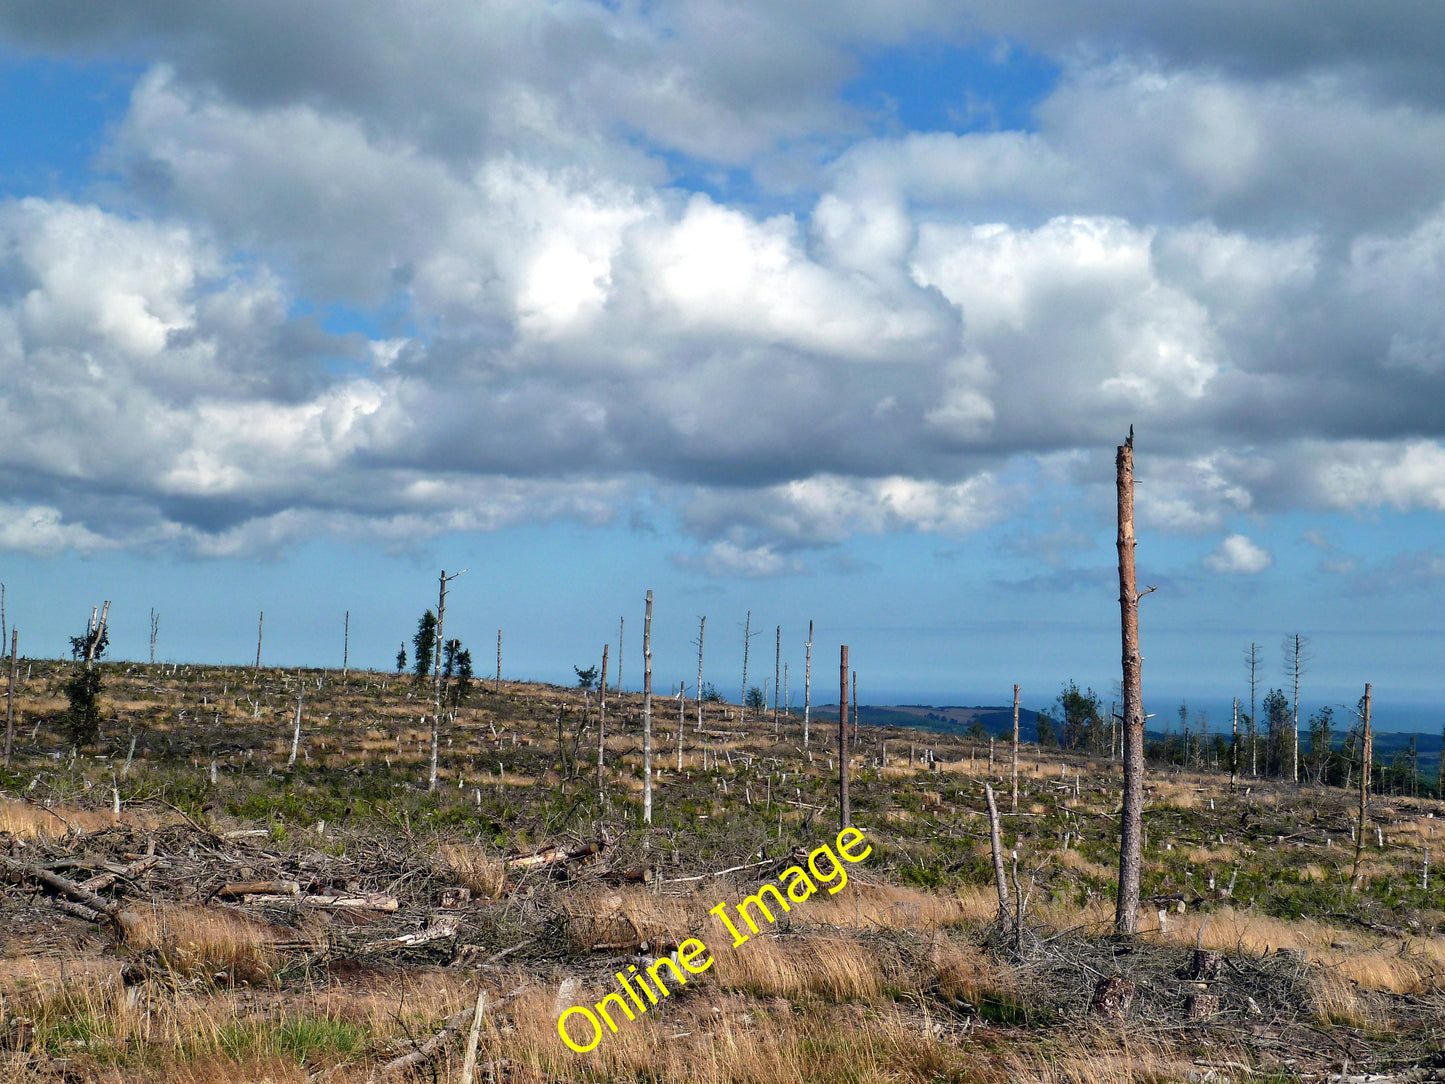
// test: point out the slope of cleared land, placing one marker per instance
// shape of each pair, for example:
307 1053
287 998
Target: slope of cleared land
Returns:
337 922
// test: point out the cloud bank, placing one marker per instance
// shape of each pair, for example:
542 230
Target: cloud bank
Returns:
377 272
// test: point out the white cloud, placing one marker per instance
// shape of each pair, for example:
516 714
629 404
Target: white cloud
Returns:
1242 257
1237 555
42 531
724 558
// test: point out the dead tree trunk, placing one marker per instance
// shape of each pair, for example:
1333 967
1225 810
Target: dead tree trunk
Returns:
296 730
681 720
436 721
1252 661
844 817
701 628
260 627
155 630
499 660
10 699
602 720
808 685
777 676
346 644
855 707
1126 915
996 843
1367 756
1234 744
647 713
1014 802
747 643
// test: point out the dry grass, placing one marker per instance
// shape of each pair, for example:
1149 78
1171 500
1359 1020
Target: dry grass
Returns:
867 906
206 940
834 969
26 820
479 871
1335 999
1072 859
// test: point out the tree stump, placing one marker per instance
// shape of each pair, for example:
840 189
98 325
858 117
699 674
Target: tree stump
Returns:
1112 998
1206 965
1199 1006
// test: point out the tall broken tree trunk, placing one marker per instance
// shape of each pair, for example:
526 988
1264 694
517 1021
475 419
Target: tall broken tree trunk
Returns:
855 707
260 627
499 660
777 675
647 713
296 730
1014 802
1234 744
346 644
996 845
701 628
10 699
808 685
1367 757
436 721
1126 914
602 720
844 817
747 643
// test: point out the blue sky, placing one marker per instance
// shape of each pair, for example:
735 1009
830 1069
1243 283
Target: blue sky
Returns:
830 313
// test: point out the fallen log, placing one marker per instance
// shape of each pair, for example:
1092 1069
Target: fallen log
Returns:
435 932
259 888
62 886
549 856
329 903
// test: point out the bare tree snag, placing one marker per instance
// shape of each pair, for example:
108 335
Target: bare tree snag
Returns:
155 631
96 633
996 843
499 660
808 684
260 627
844 817
1126 915
621 639
602 720
1295 661
647 713
346 644
10 699
1014 802
777 676
1234 744
296 731
1367 757
1252 661
855 707
701 628
436 720
469 1060
747 643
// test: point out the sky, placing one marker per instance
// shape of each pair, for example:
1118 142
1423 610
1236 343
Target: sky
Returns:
808 311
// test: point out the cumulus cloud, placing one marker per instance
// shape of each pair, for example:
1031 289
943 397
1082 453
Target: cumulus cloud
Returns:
1237 555
569 276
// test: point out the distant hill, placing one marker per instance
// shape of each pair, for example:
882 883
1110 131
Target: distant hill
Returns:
948 719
